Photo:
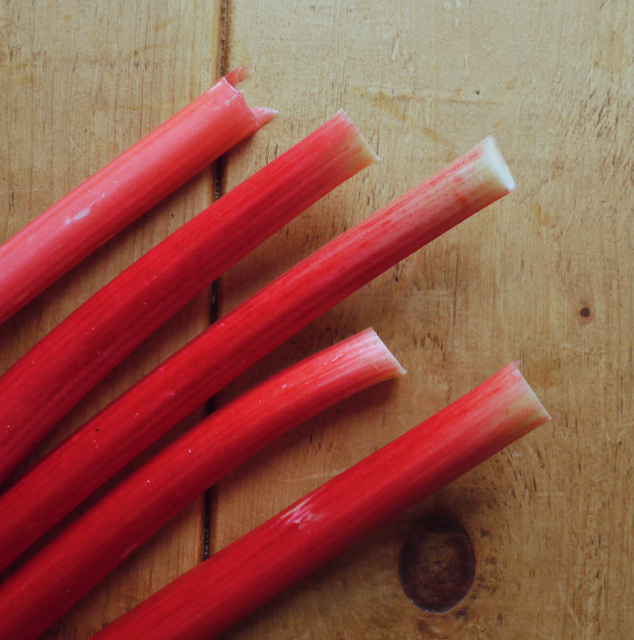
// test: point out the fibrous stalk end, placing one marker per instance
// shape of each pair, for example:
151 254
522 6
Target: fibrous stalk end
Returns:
238 75
395 368
497 165
536 414
368 151
355 153
479 177
263 115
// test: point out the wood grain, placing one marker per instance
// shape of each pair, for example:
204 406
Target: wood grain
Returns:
80 83
545 277
550 518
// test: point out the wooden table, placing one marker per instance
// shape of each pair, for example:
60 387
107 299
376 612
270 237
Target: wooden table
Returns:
545 277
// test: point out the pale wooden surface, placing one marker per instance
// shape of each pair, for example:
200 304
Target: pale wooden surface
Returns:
551 518
80 82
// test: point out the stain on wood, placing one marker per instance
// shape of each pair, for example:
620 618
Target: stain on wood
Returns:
437 566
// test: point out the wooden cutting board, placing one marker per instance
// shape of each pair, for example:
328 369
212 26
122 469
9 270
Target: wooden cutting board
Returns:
544 277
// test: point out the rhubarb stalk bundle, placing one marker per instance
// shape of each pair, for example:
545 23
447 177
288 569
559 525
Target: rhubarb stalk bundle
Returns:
123 190
52 581
200 369
248 573
53 376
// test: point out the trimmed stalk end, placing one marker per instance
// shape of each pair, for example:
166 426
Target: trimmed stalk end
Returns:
363 143
498 168
380 356
238 75
504 409
263 115
480 176
354 151
527 404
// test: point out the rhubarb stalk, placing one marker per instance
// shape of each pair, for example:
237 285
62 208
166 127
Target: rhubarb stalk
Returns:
200 369
53 376
123 190
52 581
248 573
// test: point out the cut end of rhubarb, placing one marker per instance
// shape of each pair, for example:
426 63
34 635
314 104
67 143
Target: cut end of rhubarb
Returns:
380 356
497 165
352 153
238 75
367 150
536 412
479 177
263 115
519 405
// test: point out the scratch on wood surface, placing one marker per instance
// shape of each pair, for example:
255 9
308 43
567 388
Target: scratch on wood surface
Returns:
396 105
573 615
540 634
164 24
82 155
138 51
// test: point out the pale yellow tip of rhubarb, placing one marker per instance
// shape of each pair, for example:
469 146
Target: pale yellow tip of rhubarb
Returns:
526 404
368 152
238 75
263 115
497 166
383 354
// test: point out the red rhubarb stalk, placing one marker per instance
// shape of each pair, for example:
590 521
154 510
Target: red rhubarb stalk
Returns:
248 573
51 582
51 378
123 190
182 383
